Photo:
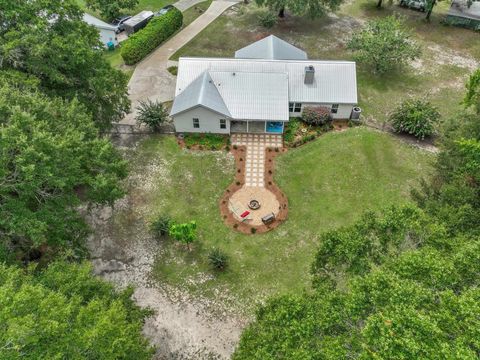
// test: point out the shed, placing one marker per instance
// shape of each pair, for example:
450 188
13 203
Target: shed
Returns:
460 14
106 31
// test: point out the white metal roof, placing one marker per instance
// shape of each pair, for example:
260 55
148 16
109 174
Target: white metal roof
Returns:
238 95
253 96
142 15
201 92
461 9
335 81
272 48
92 20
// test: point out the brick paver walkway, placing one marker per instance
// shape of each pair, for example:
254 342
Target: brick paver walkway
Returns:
255 159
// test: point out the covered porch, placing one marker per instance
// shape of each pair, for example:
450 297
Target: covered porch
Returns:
257 127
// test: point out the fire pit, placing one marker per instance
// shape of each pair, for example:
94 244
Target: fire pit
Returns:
254 205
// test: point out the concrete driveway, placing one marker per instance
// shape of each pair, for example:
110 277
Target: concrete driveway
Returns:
151 79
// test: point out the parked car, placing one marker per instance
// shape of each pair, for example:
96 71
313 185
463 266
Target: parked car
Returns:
419 5
119 23
137 22
164 10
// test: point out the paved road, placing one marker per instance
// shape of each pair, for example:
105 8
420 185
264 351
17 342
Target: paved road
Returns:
151 79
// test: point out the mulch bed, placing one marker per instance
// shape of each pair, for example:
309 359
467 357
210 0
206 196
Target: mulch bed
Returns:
183 145
230 220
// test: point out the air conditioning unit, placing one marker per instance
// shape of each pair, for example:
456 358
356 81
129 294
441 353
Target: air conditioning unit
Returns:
355 115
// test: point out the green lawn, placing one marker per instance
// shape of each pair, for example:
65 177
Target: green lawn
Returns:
194 12
329 183
440 73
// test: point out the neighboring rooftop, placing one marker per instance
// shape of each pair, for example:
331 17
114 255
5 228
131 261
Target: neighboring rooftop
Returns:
92 20
142 15
460 8
334 82
271 48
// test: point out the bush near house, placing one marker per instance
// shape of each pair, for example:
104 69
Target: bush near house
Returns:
139 45
152 114
205 141
416 117
316 115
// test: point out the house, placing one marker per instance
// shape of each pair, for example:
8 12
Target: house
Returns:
464 13
259 90
106 31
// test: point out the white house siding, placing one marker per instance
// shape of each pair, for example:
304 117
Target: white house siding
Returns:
209 121
344 110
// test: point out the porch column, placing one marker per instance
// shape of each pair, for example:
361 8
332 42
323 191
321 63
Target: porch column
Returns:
248 126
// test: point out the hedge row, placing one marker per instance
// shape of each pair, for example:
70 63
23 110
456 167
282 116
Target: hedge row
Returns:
159 29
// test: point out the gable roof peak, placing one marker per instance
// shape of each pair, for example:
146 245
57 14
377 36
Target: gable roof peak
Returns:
200 92
271 48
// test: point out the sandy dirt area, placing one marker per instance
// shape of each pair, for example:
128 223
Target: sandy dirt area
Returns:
182 327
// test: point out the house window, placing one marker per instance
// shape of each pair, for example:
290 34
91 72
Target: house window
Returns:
223 124
196 123
334 108
295 107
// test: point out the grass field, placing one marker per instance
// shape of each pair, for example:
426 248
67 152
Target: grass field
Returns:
329 183
449 54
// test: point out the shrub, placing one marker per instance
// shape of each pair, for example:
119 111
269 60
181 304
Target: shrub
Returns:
291 129
267 19
217 259
316 115
416 117
160 226
185 233
152 114
142 43
210 141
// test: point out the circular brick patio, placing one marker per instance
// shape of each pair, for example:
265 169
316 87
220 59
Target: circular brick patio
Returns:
238 204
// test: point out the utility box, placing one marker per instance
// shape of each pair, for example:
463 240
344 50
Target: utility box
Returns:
356 112
137 22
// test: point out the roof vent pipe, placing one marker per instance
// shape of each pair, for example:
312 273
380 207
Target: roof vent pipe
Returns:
309 74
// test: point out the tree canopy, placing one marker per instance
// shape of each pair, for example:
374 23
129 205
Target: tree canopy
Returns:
403 284
419 298
51 161
310 8
472 97
110 9
42 39
384 44
63 312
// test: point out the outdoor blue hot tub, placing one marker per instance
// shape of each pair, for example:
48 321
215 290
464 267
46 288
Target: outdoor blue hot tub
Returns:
275 127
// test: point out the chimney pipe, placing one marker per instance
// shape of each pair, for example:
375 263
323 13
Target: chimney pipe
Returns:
309 74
